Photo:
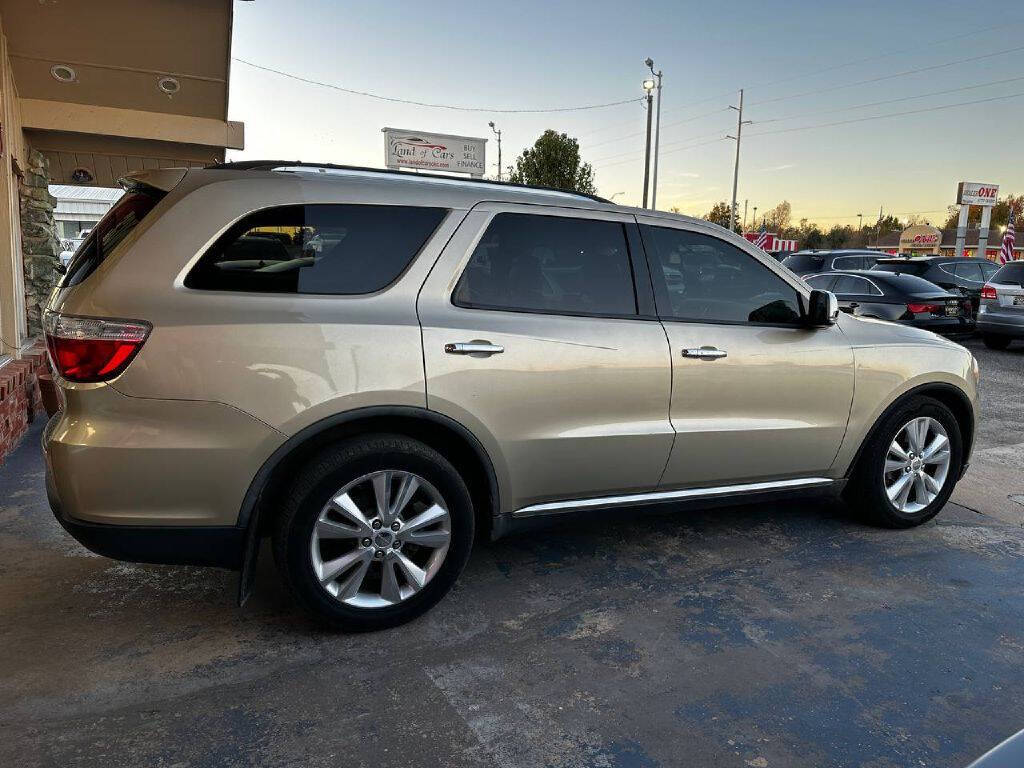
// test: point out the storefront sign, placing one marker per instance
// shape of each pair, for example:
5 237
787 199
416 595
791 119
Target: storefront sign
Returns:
920 236
977 193
434 151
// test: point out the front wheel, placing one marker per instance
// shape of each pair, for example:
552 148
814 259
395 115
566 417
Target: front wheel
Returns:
374 532
909 465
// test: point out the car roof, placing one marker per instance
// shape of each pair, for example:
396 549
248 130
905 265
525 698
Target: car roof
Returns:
835 252
413 188
928 259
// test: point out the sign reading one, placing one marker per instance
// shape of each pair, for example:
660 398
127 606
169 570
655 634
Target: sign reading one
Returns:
434 151
977 193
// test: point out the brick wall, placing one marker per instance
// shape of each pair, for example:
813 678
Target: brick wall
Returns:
20 400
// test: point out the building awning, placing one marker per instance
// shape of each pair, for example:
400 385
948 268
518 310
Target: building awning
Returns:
113 87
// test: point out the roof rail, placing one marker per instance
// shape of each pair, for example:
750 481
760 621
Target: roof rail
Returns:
269 165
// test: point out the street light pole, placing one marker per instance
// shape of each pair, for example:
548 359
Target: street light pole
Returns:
860 225
657 136
649 87
745 214
740 122
497 133
753 224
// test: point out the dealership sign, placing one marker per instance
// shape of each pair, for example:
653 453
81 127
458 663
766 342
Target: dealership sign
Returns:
977 193
434 151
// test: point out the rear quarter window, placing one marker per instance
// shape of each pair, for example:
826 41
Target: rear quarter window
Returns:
316 249
801 263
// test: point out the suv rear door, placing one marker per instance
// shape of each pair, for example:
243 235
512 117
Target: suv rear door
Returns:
536 339
756 396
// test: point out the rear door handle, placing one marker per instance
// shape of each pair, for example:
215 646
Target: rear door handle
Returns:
483 348
705 353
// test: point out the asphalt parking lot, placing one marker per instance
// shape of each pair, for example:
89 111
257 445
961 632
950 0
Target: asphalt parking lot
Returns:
786 635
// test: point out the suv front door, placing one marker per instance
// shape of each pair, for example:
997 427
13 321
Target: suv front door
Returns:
756 396
567 377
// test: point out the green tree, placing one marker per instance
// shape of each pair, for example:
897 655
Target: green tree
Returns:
1000 212
554 161
837 236
720 215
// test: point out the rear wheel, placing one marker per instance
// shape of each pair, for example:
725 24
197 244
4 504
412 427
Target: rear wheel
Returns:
374 533
993 341
909 465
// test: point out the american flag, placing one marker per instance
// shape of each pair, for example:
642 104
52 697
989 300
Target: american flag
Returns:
762 237
1006 252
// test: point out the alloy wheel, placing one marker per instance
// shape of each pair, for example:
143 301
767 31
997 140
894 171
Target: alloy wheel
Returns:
917 465
380 539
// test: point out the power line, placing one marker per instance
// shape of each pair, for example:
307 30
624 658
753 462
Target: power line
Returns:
891 114
890 77
677 149
890 54
891 101
397 100
667 125
667 144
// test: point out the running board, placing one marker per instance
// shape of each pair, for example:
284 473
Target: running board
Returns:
635 499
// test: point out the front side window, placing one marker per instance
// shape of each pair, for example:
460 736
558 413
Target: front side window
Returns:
549 264
703 279
328 249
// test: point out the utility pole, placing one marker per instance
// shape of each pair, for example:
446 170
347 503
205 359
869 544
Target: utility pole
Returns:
649 88
740 122
745 215
657 136
497 133
753 224
860 222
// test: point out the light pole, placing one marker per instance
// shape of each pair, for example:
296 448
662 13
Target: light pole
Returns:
745 215
497 133
860 223
753 224
740 122
657 136
648 86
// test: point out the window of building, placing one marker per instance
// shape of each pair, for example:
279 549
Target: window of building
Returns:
329 249
550 264
705 279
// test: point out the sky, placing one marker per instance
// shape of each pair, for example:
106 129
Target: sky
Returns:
801 64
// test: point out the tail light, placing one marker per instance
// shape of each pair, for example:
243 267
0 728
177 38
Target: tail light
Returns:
918 309
91 349
988 291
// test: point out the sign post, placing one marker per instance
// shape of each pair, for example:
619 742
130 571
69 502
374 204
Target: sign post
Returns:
970 193
434 152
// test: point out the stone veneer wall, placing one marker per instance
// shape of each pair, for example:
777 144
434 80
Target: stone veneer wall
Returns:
39 244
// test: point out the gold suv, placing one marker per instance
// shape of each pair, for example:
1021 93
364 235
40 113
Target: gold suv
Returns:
375 368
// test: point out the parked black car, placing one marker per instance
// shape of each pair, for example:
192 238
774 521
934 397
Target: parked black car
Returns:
812 262
900 298
962 275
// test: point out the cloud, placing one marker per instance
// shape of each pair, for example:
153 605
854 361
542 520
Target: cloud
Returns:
784 167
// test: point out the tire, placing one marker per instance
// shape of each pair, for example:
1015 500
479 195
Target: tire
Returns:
359 464
992 341
867 489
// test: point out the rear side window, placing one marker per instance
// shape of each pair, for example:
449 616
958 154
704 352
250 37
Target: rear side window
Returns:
904 267
550 264
822 282
108 233
327 249
802 263
1012 273
969 270
848 262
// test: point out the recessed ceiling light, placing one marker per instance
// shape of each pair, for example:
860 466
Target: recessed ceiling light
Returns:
168 85
63 73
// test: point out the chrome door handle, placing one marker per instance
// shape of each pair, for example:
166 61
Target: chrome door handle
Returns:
473 348
705 353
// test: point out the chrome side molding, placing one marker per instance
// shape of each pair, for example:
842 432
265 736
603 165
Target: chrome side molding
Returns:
636 499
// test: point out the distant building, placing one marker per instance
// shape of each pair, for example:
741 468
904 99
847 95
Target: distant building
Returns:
944 242
78 209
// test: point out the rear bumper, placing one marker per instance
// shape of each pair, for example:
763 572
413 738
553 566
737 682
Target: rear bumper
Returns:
954 327
1002 324
220 546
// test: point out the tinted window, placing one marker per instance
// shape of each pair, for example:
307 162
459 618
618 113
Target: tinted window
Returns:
970 270
989 269
852 284
705 279
907 267
335 249
1010 273
549 264
848 262
822 282
802 263
912 284
108 233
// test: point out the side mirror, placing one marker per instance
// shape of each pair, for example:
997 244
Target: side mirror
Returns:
822 309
